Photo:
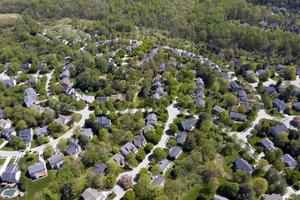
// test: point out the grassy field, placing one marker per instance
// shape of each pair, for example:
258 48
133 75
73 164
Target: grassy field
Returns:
9 19
33 187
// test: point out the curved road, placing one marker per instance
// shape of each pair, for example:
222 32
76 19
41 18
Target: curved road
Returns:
172 112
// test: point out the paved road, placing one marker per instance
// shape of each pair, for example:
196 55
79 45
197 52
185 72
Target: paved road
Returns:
85 115
49 77
172 112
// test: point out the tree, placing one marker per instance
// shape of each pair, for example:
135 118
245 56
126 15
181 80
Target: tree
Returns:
129 195
229 189
260 186
21 125
246 192
289 73
126 182
17 143
159 154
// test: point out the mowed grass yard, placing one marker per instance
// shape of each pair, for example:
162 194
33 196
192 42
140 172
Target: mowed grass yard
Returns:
32 187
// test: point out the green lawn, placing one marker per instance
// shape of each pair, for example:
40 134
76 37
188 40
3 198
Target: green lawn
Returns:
33 187
193 193
1 140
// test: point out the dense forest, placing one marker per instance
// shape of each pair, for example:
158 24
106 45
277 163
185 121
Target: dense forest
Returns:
217 24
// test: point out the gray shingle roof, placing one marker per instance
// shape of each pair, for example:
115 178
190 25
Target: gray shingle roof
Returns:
180 138
163 165
100 168
87 132
289 161
237 116
276 130
41 131
36 168
158 180
26 135
104 122
280 105
56 160
139 141
188 124
92 194
268 144
73 149
175 152
243 165
128 148
272 197
11 174
151 119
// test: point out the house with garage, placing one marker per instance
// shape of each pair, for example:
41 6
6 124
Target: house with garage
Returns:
139 141
267 144
8 132
175 152
56 161
242 164
101 168
181 137
104 122
87 132
238 117
26 135
11 175
74 149
188 124
278 129
164 165
289 161
37 170
118 158
128 148
152 119
279 104
217 110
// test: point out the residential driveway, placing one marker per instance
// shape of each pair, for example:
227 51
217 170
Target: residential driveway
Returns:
172 112
85 115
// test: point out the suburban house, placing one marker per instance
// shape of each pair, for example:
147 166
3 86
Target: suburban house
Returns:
65 74
175 152
37 170
63 120
188 124
2 115
151 119
278 129
128 148
92 194
102 99
139 141
217 110
164 165
24 66
8 132
270 90
237 116
118 158
74 149
5 123
296 106
148 128
41 131
87 132
100 168
66 82
295 122
242 95
11 174
280 105
243 165
218 197
56 161
26 135
181 137
104 122
71 92
158 180
267 144
235 86
272 197
199 102
289 161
